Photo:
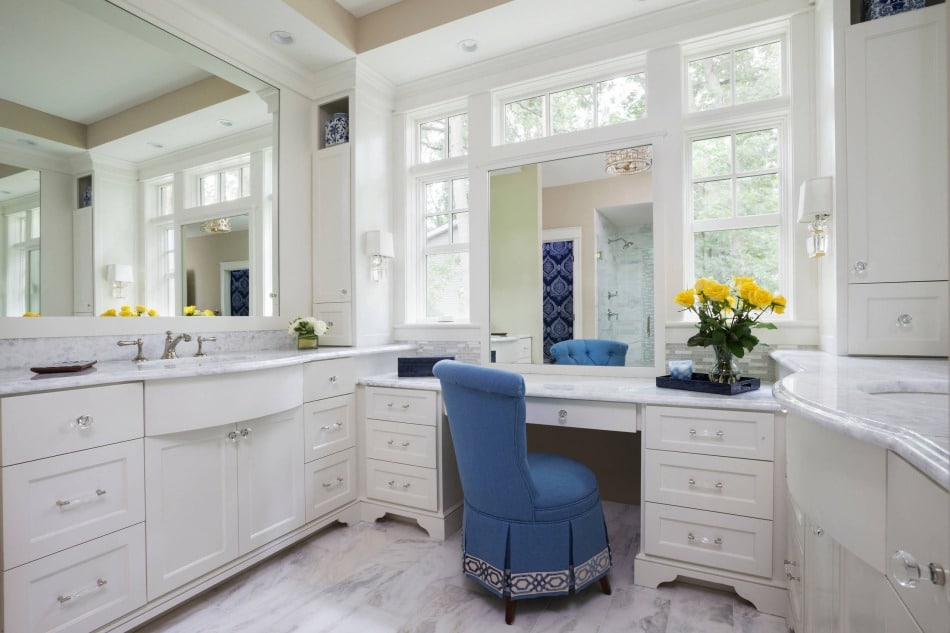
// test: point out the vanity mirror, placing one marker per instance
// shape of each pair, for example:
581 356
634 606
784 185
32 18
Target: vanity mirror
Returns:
571 257
19 240
134 134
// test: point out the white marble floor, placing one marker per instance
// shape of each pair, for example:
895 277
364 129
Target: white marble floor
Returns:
389 577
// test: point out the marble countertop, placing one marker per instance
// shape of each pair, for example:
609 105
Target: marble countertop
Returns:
19 381
868 399
631 390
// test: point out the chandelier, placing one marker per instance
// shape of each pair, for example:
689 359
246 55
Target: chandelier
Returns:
632 160
218 225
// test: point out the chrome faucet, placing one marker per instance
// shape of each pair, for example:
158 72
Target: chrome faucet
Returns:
170 344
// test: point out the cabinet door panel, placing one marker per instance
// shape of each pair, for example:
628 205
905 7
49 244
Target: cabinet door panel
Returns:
897 147
331 224
907 319
270 478
191 508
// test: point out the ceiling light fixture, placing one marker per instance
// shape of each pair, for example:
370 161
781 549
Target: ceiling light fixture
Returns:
155 145
282 37
26 141
631 160
225 123
468 46
218 225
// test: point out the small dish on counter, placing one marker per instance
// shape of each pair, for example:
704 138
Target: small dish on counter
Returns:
64 366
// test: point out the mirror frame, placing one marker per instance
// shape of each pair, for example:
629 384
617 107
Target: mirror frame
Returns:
479 198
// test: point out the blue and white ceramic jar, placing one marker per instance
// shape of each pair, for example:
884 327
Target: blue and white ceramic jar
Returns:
337 129
874 9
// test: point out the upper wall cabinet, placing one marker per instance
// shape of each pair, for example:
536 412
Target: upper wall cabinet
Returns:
897 193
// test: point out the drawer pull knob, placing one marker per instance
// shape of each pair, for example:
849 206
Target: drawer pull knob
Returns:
405 486
245 432
718 435
331 484
393 443
562 416
717 485
790 576
859 266
704 540
83 422
332 380
906 571
62 503
336 426
390 405
405 406
100 583
904 320
233 436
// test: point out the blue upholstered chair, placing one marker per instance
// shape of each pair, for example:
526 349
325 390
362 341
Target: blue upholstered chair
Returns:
533 522
589 351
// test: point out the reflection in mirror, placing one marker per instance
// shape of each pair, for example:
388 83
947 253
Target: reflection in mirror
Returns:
571 257
19 240
215 259
122 118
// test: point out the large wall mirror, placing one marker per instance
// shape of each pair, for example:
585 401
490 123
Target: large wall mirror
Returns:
135 169
572 260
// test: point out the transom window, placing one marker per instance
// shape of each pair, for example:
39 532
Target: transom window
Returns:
442 138
225 185
582 107
736 76
736 204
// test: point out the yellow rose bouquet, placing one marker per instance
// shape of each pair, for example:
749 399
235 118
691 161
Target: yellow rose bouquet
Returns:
727 316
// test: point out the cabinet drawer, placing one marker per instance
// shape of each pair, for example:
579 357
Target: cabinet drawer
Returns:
710 431
406 485
331 483
401 405
46 424
328 378
55 503
79 589
904 319
719 484
582 414
723 541
329 426
412 444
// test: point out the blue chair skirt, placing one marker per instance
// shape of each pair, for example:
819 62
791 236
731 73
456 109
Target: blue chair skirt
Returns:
530 560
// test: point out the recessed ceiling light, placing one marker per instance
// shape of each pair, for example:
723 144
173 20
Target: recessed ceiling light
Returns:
26 141
282 37
468 46
155 145
4 192
224 123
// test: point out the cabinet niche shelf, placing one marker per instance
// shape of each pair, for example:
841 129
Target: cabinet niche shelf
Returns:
325 112
84 191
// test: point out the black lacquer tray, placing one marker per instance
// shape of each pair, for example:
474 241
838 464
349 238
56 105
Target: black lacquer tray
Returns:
701 383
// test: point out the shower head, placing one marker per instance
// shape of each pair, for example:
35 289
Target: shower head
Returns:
626 244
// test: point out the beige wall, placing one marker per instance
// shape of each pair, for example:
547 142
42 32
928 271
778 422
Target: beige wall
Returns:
203 255
574 205
516 256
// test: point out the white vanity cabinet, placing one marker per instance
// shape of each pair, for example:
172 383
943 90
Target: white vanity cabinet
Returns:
709 480
329 412
896 225
409 461
859 505
230 483
73 507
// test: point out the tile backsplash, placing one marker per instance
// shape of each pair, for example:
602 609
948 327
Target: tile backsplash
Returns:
465 351
756 363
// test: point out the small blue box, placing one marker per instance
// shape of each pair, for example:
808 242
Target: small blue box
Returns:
681 369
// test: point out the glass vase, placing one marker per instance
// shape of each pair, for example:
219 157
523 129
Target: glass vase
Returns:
725 369
307 341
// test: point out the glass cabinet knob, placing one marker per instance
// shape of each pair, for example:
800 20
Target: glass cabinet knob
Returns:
904 320
860 266
906 571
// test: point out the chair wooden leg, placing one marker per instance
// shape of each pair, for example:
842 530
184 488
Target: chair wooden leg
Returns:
509 610
605 585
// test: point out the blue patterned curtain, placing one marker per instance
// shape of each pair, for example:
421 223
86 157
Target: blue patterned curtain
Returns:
239 292
558 297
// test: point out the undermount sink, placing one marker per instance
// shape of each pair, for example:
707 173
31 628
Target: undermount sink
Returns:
928 392
195 361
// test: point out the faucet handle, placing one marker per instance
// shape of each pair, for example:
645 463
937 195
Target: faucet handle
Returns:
203 339
139 357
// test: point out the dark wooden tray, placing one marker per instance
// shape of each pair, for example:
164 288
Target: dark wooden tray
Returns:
701 383
64 366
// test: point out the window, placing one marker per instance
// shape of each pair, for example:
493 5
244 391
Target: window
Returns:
736 76
579 107
736 203
22 279
160 243
442 138
445 248
224 185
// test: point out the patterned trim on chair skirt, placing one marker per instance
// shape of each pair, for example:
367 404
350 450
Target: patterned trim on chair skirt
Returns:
530 584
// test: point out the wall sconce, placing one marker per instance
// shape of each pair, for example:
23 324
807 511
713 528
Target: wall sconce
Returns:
120 276
814 209
379 247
